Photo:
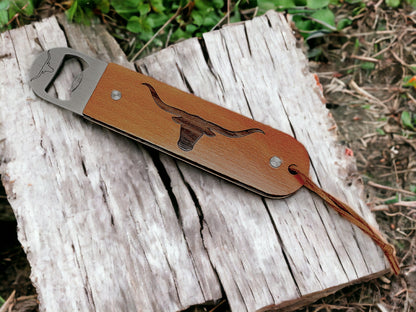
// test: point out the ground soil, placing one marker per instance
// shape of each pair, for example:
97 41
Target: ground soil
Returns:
362 69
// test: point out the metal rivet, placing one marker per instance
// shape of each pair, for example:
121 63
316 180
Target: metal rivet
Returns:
275 162
116 95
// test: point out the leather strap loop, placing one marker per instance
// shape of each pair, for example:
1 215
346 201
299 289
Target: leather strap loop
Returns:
348 213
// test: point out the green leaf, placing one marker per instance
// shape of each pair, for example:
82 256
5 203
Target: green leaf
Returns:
302 23
317 4
180 34
197 18
407 120
20 6
141 26
134 24
266 5
143 8
202 5
368 65
412 3
71 11
157 6
218 4
380 131
412 188
156 20
2 301
210 20
126 8
83 16
236 16
4 4
104 6
29 8
393 3
4 18
190 28
343 23
326 17
392 201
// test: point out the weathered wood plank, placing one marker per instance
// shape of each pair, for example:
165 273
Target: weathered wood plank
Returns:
106 226
95 219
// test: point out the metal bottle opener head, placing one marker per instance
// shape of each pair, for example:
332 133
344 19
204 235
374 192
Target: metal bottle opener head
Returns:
48 64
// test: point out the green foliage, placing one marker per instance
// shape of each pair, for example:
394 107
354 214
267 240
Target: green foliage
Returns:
13 9
173 20
313 18
146 17
317 4
397 3
4 16
412 3
84 11
24 7
408 120
176 19
393 3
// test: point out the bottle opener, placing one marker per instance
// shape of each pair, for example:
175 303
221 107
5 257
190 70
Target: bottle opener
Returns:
236 148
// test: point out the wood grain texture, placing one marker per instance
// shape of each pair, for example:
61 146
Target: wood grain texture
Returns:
216 139
109 227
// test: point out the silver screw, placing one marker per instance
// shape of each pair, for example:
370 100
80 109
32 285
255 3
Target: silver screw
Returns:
275 162
116 95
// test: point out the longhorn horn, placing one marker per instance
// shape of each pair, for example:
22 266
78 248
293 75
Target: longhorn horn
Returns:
233 134
167 108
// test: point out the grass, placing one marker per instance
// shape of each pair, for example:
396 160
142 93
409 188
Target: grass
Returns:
363 53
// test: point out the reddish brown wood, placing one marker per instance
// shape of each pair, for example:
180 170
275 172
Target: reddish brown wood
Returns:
207 135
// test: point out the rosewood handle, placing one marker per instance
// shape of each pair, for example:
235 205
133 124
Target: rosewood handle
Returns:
204 134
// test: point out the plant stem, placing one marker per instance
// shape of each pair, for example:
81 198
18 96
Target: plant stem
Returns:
178 11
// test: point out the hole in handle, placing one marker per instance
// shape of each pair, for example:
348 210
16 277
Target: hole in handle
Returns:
292 169
67 78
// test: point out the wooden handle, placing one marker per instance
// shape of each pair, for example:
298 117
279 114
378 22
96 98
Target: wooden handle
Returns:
206 135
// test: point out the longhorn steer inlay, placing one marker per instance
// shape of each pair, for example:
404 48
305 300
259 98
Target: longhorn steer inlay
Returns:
194 127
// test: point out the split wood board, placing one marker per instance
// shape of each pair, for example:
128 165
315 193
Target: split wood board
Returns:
109 226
